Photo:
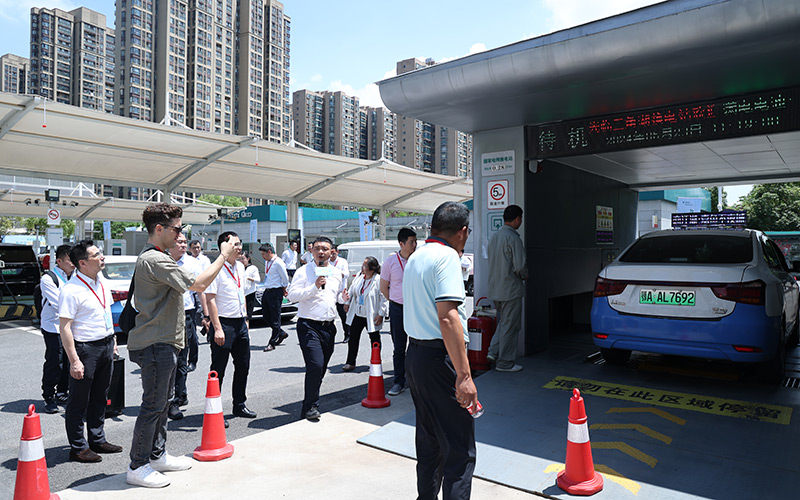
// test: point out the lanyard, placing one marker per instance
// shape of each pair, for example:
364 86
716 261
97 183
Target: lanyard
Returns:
269 267
335 261
235 277
400 261
434 239
103 301
364 285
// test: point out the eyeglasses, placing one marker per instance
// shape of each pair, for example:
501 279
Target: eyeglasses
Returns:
97 254
177 229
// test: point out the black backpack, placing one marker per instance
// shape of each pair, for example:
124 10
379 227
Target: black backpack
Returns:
38 298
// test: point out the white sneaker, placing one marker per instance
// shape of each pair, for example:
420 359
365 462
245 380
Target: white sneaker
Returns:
513 368
168 463
146 476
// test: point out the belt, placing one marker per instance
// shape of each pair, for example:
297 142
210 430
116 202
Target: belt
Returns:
432 343
396 303
102 341
320 323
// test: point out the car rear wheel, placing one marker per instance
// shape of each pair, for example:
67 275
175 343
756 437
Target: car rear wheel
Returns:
615 356
772 371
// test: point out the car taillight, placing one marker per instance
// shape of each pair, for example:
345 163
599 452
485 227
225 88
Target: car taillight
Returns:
750 292
118 295
604 287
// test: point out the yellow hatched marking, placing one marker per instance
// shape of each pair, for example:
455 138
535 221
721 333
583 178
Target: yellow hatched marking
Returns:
636 427
626 449
655 411
608 473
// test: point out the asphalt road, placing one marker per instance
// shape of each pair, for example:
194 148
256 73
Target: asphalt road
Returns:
275 391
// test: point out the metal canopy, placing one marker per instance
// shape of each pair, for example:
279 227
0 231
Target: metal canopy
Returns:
672 52
23 203
71 143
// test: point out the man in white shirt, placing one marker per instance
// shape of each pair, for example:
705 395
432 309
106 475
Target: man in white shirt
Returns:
183 259
55 372
308 255
87 333
196 251
341 264
316 288
276 280
229 336
289 257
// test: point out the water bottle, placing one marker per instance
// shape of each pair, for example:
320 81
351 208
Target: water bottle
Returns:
476 410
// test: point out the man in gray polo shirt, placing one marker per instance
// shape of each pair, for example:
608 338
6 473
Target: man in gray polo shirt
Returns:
154 343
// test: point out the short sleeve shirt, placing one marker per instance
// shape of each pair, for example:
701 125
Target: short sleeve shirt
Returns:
194 266
392 271
159 284
228 287
87 303
432 274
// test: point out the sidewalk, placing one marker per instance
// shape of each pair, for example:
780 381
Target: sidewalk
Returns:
298 461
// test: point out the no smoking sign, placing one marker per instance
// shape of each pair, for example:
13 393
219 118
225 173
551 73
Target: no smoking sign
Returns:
497 194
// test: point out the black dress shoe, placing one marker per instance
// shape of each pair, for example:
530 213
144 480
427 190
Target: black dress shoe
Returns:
184 401
243 411
105 448
191 367
283 336
174 413
50 406
312 414
86 456
226 423
269 347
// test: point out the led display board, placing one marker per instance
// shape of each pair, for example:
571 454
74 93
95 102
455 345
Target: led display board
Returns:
719 219
744 115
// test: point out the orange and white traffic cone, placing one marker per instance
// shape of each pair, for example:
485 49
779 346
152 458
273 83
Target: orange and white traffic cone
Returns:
213 446
376 397
32 482
579 476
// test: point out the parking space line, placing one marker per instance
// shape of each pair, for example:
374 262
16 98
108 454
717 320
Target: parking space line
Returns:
626 449
636 427
655 411
608 473
749 410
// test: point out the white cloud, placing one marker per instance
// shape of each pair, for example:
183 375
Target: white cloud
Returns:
369 95
19 11
568 13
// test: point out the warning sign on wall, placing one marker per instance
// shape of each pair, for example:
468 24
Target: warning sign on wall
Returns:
497 194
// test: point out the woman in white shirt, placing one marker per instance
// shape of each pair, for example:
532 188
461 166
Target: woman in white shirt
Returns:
366 307
251 277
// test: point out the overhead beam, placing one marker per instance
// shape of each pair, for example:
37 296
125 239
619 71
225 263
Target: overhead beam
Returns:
330 180
7 123
199 165
419 192
94 207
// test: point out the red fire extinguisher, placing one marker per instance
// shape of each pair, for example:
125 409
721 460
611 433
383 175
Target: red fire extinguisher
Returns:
481 328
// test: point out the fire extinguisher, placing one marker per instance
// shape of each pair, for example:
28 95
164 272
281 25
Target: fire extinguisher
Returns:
480 326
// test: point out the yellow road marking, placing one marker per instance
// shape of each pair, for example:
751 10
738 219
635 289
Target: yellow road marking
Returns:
636 427
654 411
608 473
749 410
626 449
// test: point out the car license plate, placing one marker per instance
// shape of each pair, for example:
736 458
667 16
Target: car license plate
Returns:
667 297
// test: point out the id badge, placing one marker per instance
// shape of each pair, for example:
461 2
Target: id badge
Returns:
109 322
361 300
241 296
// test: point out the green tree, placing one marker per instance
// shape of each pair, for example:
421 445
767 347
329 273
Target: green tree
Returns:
773 207
715 197
225 201
7 224
117 229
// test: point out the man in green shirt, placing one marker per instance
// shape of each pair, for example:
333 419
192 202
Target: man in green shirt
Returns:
153 344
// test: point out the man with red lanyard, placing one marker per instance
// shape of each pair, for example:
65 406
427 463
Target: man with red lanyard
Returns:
276 280
341 264
229 336
87 333
392 289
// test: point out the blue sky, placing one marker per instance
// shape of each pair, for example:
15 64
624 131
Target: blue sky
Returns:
348 45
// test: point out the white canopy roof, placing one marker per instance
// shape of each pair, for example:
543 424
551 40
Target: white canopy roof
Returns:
58 141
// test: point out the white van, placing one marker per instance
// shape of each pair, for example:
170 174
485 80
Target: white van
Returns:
355 252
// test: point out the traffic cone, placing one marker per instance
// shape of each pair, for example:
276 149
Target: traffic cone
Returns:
213 445
376 397
32 482
579 476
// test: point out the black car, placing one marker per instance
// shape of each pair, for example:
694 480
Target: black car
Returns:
19 274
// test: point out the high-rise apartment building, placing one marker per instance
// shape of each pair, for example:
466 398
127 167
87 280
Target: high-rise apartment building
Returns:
330 122
214 65
72 57
14 72
429 147
381 134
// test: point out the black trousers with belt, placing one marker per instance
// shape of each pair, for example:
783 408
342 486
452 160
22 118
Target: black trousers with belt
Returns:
237 346
316 343
445 434
88 396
